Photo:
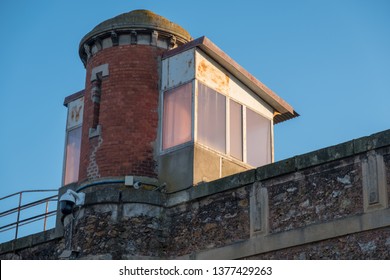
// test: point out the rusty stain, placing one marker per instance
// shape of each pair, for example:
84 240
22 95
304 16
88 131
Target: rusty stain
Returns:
75 115
202 68
209 73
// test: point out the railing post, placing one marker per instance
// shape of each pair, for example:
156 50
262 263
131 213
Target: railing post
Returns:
44 220
18 216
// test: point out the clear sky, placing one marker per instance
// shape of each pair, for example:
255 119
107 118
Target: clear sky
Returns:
330 59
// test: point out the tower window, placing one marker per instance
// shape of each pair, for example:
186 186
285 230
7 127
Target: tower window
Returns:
73 143
73 140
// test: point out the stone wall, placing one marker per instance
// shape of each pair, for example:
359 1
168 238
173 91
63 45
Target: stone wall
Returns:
373 244
329 204
211 222
41 246
319 194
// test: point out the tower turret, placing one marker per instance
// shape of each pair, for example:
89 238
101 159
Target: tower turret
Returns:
122 59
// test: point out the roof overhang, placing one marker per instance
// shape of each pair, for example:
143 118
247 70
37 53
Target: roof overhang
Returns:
284 111
73 97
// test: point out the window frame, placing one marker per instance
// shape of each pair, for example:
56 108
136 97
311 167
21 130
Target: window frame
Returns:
66 154
194 125
227 124
71 125
161 124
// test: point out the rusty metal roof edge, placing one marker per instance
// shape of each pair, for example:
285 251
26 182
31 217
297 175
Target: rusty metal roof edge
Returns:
191 44
238 71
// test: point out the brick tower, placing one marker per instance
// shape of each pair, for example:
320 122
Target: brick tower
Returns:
120 121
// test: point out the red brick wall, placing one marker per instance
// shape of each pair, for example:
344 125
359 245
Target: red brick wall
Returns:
128 114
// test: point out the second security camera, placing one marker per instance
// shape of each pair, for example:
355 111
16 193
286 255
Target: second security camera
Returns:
69 199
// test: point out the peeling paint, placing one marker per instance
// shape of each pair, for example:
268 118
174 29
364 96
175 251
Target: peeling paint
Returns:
212 76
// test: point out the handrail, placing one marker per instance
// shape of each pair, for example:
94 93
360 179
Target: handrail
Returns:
15 225
28 191
28 205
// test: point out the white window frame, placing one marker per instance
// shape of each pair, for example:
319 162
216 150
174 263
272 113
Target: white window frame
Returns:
194 125
66 153
70 126
161 125
227 135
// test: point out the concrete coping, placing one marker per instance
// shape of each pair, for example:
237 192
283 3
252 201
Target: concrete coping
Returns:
293 164
325 155
29 241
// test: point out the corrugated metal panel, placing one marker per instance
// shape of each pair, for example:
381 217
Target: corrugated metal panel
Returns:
284 117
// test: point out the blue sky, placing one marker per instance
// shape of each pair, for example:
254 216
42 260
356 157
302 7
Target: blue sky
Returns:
329 59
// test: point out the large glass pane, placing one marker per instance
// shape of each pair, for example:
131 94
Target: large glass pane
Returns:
177 116
72 164
235 130
211 118
258 139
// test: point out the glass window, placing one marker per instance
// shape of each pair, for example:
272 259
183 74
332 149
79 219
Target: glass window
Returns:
211 118
258 139
177 116
235 130
73 144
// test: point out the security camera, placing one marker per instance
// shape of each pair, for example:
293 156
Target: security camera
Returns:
69 199
137 185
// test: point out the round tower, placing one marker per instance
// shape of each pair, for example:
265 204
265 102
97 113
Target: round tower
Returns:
122 58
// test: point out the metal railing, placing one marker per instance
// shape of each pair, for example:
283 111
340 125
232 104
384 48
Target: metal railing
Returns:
30 212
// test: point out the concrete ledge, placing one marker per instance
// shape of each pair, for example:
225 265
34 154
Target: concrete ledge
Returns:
301 236
325 155
374 141
312 159
129 195
223 184
29 241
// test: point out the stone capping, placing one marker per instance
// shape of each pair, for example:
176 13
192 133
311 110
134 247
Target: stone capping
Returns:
124 195
137 20
29 241
293 164
149 37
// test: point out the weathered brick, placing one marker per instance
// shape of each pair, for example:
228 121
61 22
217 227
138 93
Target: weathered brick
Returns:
128 114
